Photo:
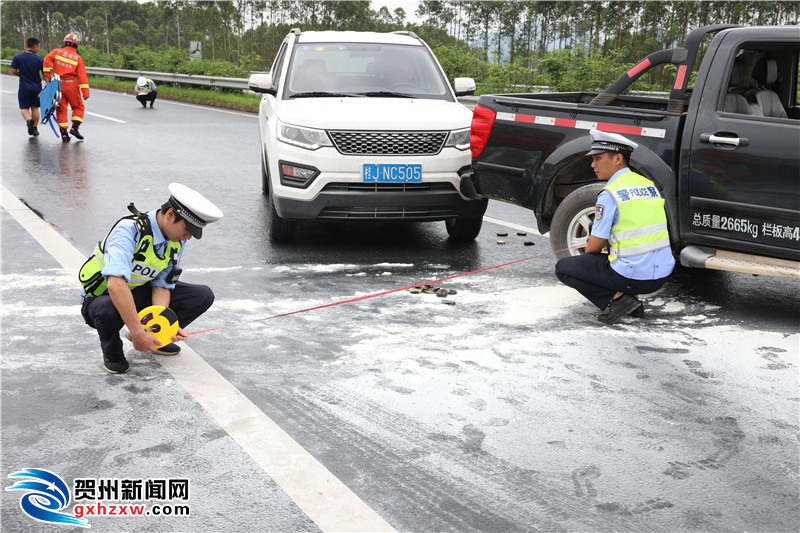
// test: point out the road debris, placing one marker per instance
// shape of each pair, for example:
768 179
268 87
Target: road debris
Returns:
441 292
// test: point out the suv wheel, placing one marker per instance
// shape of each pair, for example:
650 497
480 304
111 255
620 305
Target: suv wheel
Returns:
463 229
573 220
280 230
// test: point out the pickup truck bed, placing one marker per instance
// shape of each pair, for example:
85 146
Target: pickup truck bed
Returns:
730 175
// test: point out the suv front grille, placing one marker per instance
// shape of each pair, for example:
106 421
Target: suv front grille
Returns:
389 187
388 142
420 213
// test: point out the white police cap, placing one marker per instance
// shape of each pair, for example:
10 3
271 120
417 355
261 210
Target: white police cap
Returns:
193 207
603 141
141 81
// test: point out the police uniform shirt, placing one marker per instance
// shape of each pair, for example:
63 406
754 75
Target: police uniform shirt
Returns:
142 89
121 243
650 265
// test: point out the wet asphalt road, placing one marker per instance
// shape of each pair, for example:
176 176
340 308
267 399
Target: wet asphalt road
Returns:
512 410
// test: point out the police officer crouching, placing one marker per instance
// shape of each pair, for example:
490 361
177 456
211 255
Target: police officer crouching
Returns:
631 222
136 266
145 91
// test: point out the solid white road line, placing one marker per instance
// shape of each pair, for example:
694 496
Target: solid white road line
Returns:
315 490
211 108
58 247
184 104
511 225
325 499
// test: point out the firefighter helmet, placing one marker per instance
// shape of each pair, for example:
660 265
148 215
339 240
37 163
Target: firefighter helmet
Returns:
72 38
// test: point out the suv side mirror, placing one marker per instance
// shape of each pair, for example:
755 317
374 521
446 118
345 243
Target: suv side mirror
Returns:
262 83
464 86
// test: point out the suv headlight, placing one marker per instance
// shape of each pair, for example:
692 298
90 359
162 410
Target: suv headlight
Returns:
308 138
458 139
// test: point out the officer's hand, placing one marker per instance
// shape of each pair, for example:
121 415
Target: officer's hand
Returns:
143 341
181 336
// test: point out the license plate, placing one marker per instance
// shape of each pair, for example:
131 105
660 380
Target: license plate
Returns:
391 173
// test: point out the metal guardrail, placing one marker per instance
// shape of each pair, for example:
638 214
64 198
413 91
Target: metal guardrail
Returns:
188 79
238 83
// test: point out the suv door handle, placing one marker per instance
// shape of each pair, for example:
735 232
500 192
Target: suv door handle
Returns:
726 141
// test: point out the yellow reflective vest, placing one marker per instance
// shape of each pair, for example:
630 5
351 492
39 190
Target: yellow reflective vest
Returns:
642 223
146 264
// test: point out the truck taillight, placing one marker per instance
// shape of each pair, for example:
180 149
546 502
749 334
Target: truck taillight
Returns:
482 122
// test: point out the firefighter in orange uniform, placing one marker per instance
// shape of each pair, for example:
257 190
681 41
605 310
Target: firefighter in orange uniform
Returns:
74 84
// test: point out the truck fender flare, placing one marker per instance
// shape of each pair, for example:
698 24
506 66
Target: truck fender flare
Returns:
561 157
643 161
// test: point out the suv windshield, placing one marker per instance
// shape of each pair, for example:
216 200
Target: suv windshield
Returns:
364 69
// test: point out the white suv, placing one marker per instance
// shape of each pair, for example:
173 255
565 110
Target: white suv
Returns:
362 125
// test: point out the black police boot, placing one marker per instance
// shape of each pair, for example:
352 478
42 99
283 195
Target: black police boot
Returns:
74 131
64 135
31 127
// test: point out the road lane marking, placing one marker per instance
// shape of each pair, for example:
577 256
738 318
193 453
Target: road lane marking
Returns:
215 109
314 489
325 499
58 247
98 115
163 100
511 225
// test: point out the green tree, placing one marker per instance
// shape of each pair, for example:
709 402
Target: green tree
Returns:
504 45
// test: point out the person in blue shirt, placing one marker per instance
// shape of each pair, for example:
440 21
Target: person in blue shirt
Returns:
145 91
631 223
136 266
28 66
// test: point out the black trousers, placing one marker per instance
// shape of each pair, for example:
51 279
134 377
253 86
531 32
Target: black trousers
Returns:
592 276
149 97
188 300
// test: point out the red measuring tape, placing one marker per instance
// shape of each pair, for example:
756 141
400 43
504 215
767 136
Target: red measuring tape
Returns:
384 293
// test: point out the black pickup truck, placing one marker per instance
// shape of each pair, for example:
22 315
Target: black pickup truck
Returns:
725 151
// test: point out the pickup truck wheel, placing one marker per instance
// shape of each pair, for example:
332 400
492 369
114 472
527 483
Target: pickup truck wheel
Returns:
280 230
573 219
463 229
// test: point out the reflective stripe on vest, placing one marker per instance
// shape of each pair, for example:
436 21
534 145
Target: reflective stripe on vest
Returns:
145 266
67 60
642 224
